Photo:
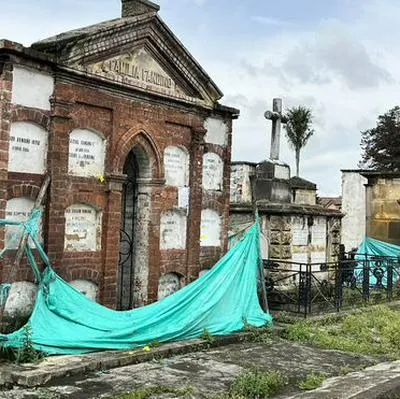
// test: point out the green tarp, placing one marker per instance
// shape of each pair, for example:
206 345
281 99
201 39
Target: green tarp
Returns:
221 302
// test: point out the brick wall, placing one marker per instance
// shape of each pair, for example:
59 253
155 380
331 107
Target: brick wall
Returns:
124 123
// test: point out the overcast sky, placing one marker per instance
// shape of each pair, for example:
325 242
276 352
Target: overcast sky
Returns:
339 57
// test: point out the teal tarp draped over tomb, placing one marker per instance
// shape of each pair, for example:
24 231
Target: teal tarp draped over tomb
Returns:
64 321
371 248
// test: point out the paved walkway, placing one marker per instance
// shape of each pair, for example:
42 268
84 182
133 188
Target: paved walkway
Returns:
207 372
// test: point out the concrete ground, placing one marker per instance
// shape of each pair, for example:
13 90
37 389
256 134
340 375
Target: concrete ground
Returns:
209 372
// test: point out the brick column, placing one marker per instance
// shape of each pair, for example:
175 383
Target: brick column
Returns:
57 165
196 199
6 81
109 293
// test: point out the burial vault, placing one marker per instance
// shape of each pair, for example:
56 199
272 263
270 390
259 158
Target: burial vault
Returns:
130 129
295 228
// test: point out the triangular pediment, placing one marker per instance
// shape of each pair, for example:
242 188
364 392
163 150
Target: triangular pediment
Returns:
138 52
140 69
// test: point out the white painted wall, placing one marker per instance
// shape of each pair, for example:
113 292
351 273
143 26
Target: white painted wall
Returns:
86 153
28 148
354 208
217 131
32 88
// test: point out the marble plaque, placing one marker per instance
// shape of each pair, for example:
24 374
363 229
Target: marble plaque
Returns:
19 210
82 229
299 231
168 285
176 162
173 230
86 153
319 232
28 148
213 172
32 88
210 235
217 131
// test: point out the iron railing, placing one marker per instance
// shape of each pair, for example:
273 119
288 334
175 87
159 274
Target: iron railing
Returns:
311 288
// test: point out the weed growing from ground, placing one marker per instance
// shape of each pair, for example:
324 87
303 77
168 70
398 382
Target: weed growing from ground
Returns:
312 381
256 385
206 336
257 334
146 393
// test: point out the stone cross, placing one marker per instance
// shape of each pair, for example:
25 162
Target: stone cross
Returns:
277 119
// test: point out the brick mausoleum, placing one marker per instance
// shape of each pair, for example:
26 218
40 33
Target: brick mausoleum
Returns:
129 128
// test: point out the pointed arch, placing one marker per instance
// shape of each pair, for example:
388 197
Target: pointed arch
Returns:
145 143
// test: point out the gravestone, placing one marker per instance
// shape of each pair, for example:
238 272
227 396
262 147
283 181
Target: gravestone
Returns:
19 210
82 229
86 153
173 230
217 131
210 235
176 162
213 172
168 285
28 148
87 288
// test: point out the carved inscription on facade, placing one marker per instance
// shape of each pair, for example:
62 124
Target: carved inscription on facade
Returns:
210 235
140 69
86 153
82 229
176 162
28 148
213 172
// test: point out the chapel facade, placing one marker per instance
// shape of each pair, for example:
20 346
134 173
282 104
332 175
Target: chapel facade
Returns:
130 130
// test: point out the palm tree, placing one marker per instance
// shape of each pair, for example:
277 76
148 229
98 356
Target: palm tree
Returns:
298 130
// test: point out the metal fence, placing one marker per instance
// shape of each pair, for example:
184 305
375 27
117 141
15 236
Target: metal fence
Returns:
314 288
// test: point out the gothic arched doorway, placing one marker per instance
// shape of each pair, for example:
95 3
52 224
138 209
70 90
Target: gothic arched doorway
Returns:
135 212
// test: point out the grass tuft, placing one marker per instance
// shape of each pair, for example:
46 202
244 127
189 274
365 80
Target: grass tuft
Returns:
312 381
372 331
